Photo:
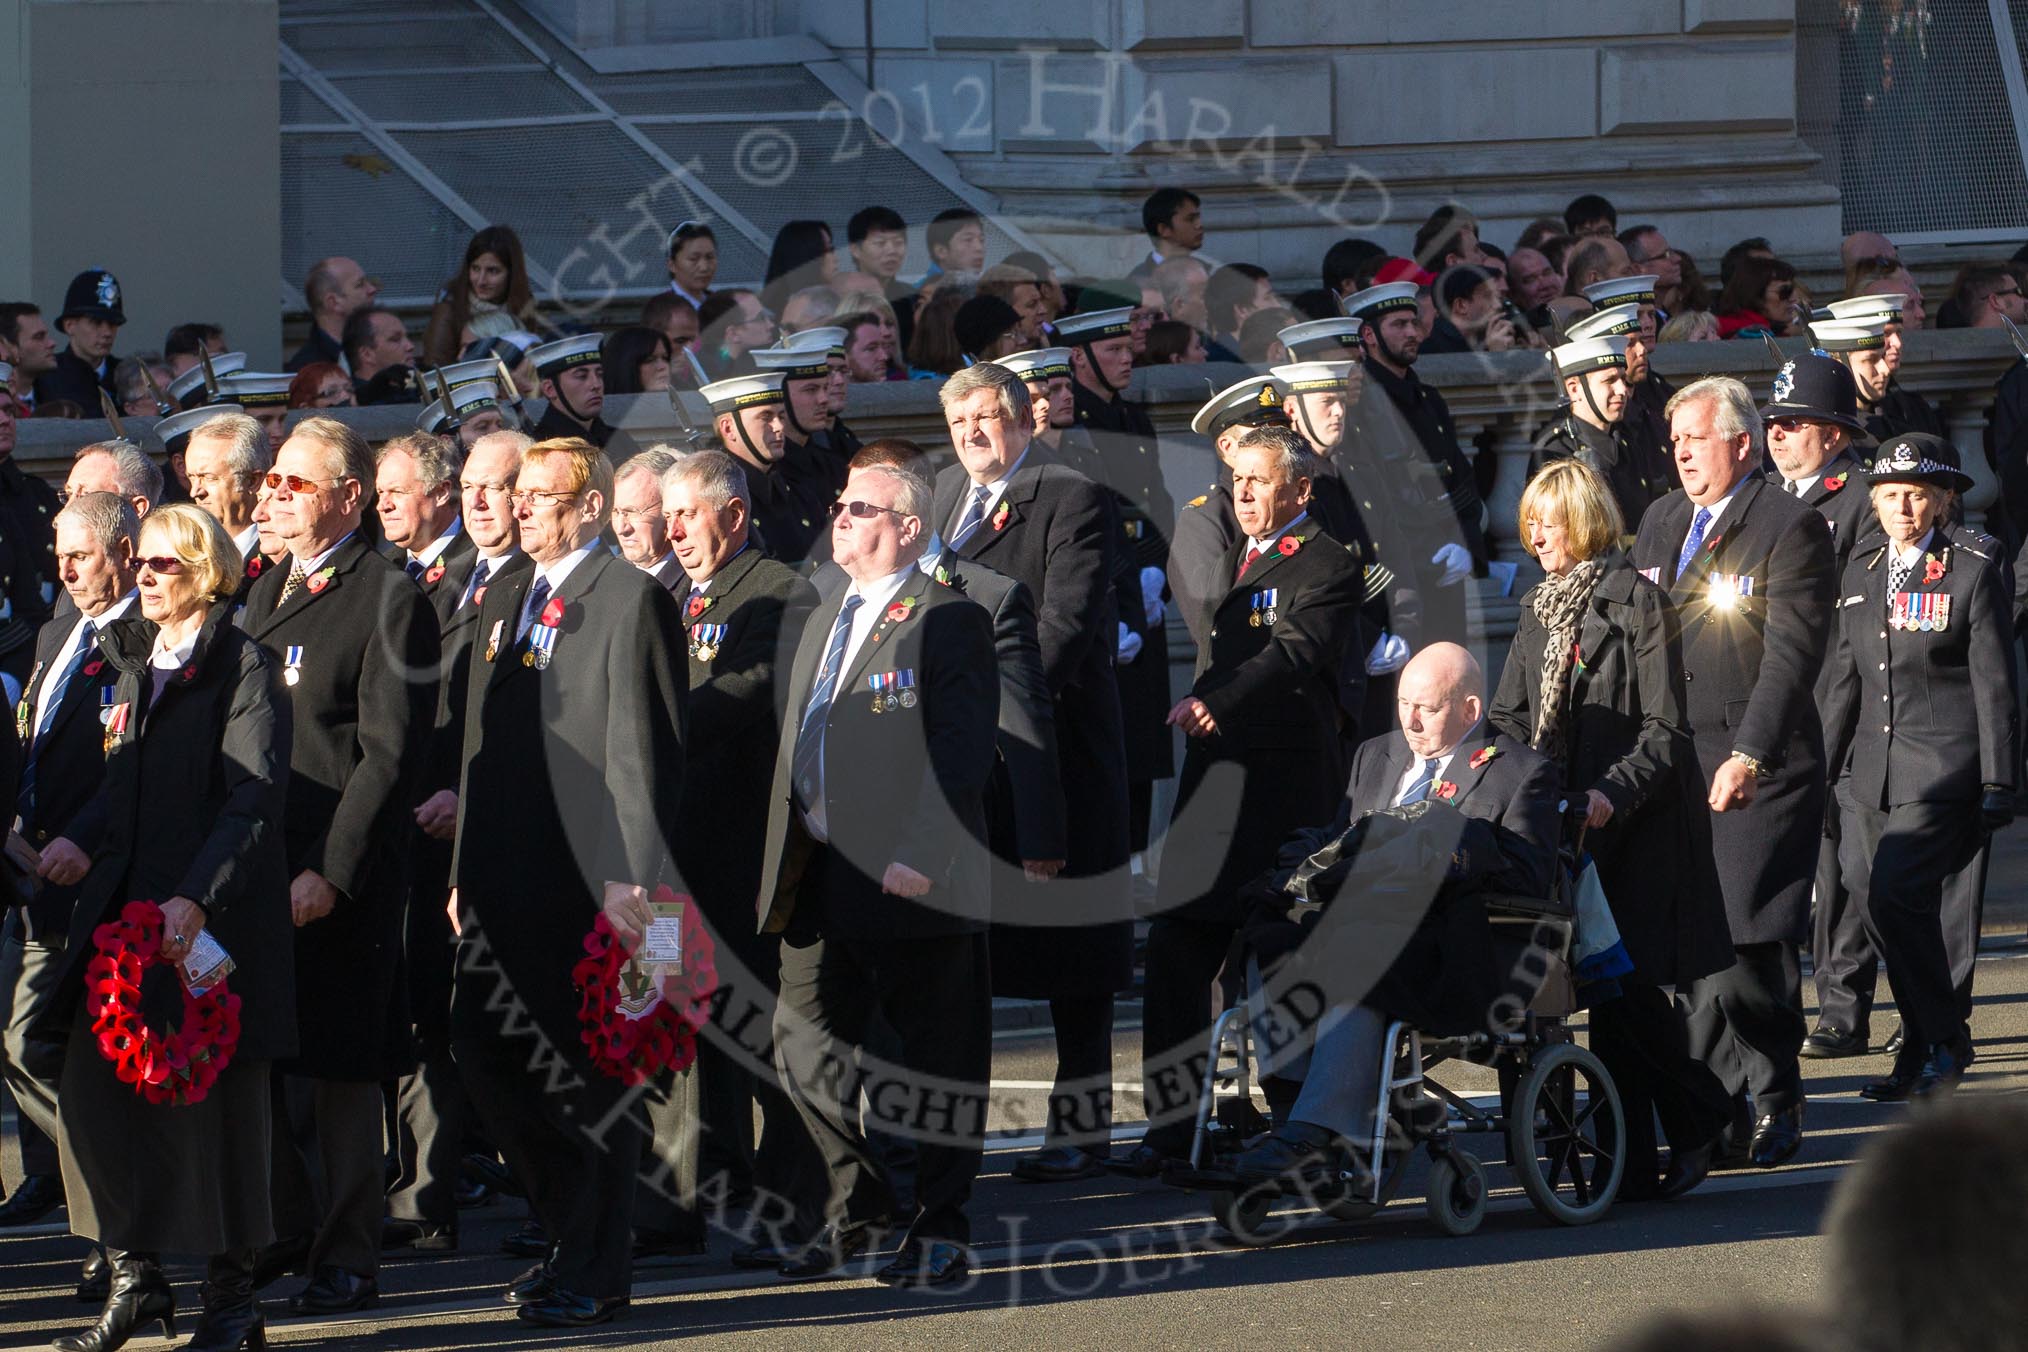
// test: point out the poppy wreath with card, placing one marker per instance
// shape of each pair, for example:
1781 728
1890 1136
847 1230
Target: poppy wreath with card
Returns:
178 1065
635 1021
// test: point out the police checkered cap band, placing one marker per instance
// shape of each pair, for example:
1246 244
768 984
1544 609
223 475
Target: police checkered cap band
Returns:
1590 354
1254 399
177 426
578 350
1097 326
1379 300
192 380
256 389
1320 339
1623 291
792 363
1616 319
728 396
1910 457
1037 363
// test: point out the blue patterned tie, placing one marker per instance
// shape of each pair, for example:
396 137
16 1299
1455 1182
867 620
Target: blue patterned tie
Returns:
1698 525
474 583
25 801
538 593
810 736
974 517
1419 789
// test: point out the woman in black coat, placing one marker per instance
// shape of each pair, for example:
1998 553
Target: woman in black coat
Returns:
189 817
1594 681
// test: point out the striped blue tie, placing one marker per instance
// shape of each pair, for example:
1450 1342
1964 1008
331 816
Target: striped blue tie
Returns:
810 736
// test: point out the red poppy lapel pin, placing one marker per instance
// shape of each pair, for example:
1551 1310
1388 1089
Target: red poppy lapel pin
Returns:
1288 545
434 575
1445 790
1484 757
1001 517
552 614
93 667
321 579
698 605
1834 483
1932 569
901 610
255 566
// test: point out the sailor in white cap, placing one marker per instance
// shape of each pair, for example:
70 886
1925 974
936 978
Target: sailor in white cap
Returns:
1591 426
1206 527
805 376
1866 345
1645 427
473 411
1046 373
263 395
193 388
752 421
573 380
835 438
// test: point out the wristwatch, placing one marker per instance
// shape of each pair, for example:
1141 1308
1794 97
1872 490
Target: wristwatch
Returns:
1753 767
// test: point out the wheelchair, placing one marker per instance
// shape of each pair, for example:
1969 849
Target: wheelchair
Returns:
1557 1111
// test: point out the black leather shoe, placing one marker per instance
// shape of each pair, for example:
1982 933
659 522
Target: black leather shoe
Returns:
568 1310
404 1236
831 1249
1735 1142
94 1279
767 1255
536 1284
138 1294
1058 1164
1284 1152
1687 1168
1942 1069
659 1244
335 1291
280 1259
530 1241
1143 1161
38 1195
1894 1041
1777 1137
1896 1088
1828 1043
926 1262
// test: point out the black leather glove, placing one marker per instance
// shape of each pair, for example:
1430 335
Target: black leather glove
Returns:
1996 808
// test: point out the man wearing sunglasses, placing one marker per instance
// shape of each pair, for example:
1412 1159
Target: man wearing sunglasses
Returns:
876 879
356 645
574 733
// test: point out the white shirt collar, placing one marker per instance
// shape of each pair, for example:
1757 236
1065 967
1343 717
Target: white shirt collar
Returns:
246 542
1265 542
881 590
1916 550
1717 509
434 549
170 659
310 566
555 573
696 302
994 489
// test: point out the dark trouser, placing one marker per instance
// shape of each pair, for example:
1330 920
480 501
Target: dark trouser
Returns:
725 1095
1746 1023
1898 859
1847 968
1964 911
431 1119
31 1065
1182 963
934 992
1081 1103
665 1200
329 1174
577 1150
1642 1038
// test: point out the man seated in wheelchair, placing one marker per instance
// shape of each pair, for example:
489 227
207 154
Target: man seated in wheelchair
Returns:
1382 914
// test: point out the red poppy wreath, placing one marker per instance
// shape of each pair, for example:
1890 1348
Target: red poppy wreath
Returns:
634 1020
176 1066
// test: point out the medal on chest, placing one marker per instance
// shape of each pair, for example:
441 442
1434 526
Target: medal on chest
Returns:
493 640
1264 611
541 647
1920 612
292 664
705 641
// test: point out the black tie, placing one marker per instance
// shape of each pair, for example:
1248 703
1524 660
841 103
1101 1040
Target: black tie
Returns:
25 802
476 584
416 568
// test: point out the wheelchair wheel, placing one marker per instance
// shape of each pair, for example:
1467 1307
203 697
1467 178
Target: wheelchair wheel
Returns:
1564 1135
1457 1192
1244 1215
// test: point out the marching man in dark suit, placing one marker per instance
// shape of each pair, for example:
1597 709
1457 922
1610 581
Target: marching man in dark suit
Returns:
357 648
432 1109
1749 570
876 881
225 458
1265 704
639 525
1924 646
59 726
1504 798
738 604
415 491
1811 422
1005 505
574 753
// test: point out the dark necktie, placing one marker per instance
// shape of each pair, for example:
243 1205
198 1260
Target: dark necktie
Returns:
416 568
538 595
25 801
476 584
810 735
974 517
1252 552
291 582
1419 789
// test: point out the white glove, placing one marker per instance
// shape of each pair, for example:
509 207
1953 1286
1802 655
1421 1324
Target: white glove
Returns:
1152 582
1457 562
1389 654
1130 644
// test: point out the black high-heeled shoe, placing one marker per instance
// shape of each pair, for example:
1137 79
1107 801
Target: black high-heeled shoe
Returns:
139 1295
232 1320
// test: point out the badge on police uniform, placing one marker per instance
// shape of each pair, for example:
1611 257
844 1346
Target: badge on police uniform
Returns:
292 664
705 641
1919 612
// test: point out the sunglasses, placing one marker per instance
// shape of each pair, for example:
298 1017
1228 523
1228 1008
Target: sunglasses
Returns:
1786 291
295 483
861 510
167 565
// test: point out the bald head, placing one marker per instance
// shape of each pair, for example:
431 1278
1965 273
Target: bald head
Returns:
1864 244
1439 698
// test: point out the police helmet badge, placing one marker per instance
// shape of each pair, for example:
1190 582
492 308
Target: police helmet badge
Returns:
108 291
1785 383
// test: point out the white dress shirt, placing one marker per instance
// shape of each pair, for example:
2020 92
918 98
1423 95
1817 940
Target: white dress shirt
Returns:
554 574
46 709
1717 510
876 596
994 491
1415 766
246 542
434 550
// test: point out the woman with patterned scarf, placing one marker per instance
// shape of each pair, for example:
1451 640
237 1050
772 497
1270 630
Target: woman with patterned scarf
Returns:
1594 681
